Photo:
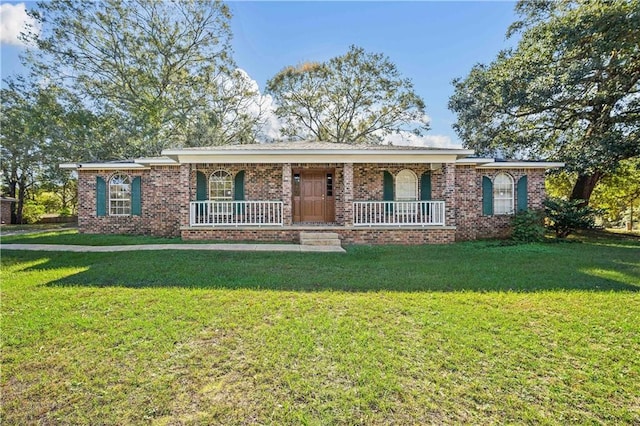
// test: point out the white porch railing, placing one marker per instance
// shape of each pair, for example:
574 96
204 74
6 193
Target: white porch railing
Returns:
235 213
398 213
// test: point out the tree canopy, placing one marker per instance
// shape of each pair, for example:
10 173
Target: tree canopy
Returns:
163 68
568 91
354 98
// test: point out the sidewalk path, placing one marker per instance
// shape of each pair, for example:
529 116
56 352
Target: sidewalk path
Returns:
216 247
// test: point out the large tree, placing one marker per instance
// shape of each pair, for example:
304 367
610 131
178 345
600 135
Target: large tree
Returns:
28 120
354 98
162 68
568 91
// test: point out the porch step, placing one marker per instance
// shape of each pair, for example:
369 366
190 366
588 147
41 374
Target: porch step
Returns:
320 239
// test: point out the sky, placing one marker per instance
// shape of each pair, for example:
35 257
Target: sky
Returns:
431 42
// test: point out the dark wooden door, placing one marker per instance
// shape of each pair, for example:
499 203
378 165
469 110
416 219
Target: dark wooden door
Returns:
312 196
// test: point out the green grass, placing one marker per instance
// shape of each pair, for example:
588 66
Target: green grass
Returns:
467 333
71 236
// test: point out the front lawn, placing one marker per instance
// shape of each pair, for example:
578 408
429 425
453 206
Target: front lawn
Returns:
465 333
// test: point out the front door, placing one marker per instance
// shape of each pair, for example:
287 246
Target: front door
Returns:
313 197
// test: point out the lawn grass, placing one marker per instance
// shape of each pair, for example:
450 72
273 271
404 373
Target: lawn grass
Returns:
466 333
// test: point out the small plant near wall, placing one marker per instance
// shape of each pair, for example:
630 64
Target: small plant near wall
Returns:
528 226
566 216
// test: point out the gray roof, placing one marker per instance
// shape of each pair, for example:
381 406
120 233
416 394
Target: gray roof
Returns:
311 145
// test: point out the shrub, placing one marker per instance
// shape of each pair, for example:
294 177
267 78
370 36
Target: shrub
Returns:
528 226
32 212
565 216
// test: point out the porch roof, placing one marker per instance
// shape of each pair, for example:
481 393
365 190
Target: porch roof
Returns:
315 152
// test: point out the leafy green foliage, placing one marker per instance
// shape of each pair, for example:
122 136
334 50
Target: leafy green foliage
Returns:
619 193
32 212
566 216
568 91
354 98
161 70
528 226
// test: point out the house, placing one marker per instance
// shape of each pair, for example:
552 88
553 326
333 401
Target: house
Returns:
369 194
6 205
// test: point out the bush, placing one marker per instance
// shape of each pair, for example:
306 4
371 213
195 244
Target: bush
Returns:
565 216
528 226
32 212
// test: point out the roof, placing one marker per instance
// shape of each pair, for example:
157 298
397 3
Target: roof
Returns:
310 152
315 152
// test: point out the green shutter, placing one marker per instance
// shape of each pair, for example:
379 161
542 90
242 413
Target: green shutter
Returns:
238 191
387 189
487 196
201 186
136 196
425 191
238 186
522 193
425 187
101 197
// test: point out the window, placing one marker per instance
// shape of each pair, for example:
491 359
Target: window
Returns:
406 186
502 194
120 195
220 186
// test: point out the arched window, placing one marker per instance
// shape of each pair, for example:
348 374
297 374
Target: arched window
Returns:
406 186
503 194
120 195
220 186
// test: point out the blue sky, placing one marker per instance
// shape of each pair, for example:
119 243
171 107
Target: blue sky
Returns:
430 42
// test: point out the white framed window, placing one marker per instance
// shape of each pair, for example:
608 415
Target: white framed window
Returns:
120 195
406 186
406 190
502 194
221 186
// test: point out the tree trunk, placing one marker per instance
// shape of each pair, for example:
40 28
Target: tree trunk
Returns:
584 187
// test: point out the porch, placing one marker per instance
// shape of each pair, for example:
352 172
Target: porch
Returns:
374 222
270 214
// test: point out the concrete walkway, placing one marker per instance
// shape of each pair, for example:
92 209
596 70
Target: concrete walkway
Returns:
215 247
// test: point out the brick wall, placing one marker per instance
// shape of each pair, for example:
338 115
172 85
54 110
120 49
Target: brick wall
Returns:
5 211
167 190
163 195
471 223
371 236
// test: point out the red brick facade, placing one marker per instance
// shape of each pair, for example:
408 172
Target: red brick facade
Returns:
167 190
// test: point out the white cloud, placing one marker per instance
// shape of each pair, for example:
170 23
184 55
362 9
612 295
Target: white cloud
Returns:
411 139
13 21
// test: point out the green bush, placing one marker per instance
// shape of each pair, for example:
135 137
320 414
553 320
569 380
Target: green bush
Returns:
528 226
32 212
565 216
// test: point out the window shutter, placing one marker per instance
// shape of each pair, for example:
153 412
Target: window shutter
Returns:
522 194
487 196
136 196
238 191
201 186
238 186
387 189
101 197
425 187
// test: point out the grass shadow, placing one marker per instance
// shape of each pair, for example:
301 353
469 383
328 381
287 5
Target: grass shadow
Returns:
476 266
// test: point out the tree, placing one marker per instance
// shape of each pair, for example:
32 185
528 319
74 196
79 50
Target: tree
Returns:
354 98
619 192
569 91
161 69
27 121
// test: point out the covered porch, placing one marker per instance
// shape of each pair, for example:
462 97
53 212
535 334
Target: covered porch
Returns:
365 194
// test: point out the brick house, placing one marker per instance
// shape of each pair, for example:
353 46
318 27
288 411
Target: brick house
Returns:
371 194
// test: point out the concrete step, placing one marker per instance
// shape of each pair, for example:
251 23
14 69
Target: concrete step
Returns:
319 239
